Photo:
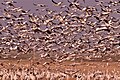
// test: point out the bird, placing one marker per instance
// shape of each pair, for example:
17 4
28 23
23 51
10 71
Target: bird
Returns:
1 17
10 3
33 18
56 4
74 4
84 1
103 29
39 5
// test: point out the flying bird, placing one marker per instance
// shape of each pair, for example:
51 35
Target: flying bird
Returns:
39 5
57 4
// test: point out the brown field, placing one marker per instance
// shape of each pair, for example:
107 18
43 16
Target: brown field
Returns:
68 68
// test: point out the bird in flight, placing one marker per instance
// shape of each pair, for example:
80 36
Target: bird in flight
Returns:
57 4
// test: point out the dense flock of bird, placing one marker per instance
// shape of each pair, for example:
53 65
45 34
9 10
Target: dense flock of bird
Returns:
13 72
75 31
34 74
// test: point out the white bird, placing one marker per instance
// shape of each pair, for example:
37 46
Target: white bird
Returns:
32 77
15 77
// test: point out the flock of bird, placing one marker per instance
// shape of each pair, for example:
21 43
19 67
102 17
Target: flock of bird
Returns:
13 72
29 74
74 32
